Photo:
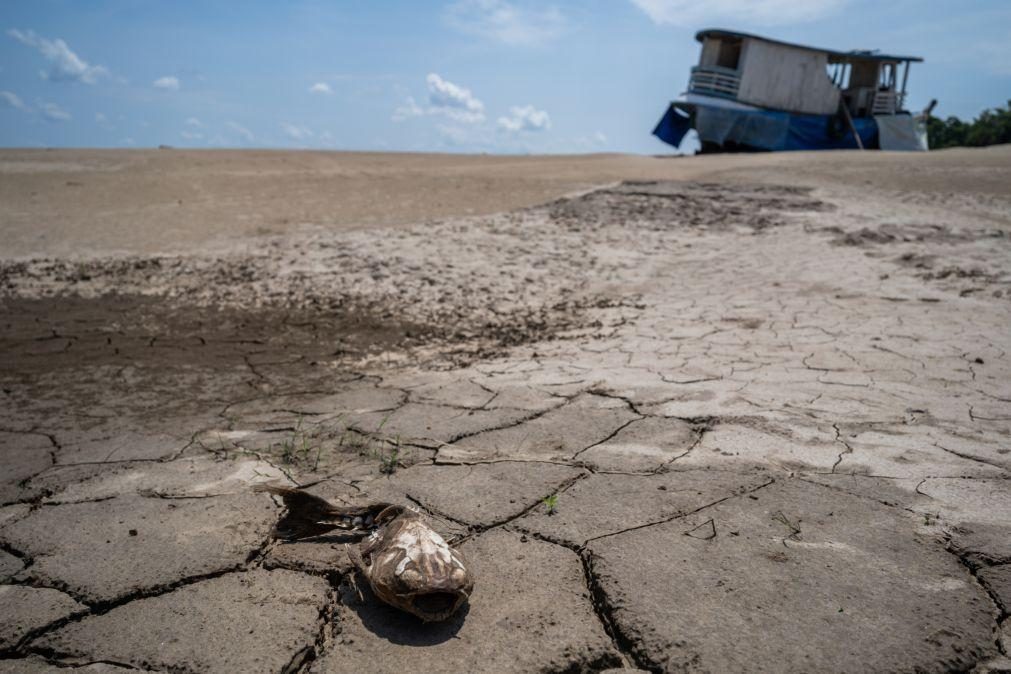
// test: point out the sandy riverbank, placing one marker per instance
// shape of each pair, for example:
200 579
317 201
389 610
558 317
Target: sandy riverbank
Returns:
770 392
82 202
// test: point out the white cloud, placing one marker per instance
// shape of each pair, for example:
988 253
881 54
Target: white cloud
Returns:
240 130
455 136
453 100
67 66
594 142
525 118
127 141
320 88
12 100
444 98
193 121
408 110
766 12
101 118
168 83
53 112
296 132
191 135
506 22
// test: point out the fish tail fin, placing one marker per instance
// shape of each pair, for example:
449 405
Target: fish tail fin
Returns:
307 516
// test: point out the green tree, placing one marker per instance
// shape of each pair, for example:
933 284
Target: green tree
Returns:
992 127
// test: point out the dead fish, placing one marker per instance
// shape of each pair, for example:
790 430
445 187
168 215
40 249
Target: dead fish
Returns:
407 564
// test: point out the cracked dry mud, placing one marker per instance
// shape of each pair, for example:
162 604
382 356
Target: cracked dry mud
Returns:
775 410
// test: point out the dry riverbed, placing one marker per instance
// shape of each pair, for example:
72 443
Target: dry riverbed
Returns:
771 394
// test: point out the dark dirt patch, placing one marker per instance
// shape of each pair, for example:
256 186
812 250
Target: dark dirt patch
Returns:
666 205
894 233
964 261
42 334
39 334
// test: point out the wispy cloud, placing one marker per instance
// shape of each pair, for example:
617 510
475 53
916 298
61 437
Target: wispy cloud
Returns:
240 131
320 88
409 109
525 118
456 136
507 22
191 135
53 112
472 137
193 121
66 65
167 83
12 100
765 12
296 131
594 142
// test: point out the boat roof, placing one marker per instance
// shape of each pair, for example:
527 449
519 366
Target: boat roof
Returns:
834 55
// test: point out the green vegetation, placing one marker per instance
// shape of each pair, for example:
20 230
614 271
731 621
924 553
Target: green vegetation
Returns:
383 449
992 127
298 446
388 462
307 445
304 447
551 504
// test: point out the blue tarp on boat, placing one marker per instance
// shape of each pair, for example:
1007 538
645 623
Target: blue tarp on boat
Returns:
673 126
764 129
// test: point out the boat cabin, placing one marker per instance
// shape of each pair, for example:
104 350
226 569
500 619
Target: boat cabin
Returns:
774 75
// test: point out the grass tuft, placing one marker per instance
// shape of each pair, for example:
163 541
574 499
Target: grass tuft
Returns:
551 504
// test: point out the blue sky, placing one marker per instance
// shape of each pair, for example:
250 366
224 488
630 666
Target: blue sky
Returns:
454 76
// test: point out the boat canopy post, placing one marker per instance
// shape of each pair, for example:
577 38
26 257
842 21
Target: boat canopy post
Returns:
905 78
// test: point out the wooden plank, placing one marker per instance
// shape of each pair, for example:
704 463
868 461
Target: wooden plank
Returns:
853 128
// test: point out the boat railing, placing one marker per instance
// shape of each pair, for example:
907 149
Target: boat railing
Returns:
714 81
886 103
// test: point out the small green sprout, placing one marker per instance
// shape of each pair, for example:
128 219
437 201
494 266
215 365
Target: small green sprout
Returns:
388 462
299 447
551 504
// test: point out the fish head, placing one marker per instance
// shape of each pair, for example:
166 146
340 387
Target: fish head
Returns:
415 570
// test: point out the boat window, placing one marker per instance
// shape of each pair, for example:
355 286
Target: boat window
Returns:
886 80
730 54
837 73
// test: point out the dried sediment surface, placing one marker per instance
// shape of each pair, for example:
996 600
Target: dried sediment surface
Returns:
515 278
770 399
